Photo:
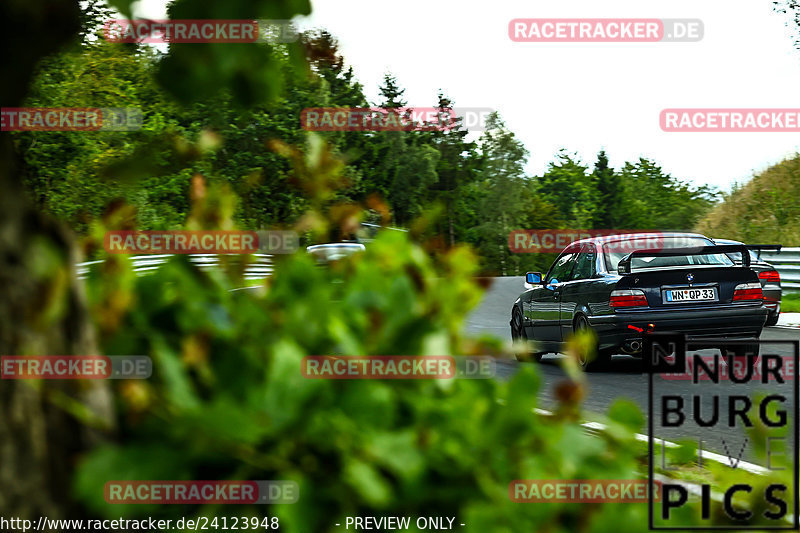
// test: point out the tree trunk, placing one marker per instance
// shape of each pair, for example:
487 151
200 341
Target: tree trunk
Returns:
42 308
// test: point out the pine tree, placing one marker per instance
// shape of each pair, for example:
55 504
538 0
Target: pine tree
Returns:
456 168
391 92
609 193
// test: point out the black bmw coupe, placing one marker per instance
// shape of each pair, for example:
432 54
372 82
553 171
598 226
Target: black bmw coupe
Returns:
622 286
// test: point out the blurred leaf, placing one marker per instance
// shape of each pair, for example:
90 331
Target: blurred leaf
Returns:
367 482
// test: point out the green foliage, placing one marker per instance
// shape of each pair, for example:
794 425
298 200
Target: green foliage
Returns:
610 199
569 187
456 170
227 399
399 165
249 72
656 200
764 210
392 93
65 169
228 118
506 200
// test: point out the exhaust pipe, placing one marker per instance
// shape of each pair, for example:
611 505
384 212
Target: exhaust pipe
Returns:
635 346
632 347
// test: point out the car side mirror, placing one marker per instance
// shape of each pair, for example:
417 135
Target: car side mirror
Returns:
533 278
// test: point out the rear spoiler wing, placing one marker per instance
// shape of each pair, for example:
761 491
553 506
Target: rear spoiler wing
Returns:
624 265
758 248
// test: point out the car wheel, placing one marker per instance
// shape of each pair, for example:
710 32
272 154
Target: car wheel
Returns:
601 357
740 352
518 334
772 319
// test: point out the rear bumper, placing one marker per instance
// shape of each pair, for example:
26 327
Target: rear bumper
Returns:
736 322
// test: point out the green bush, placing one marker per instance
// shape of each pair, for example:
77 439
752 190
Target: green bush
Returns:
227 399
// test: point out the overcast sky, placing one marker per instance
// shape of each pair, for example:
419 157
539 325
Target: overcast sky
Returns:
582 96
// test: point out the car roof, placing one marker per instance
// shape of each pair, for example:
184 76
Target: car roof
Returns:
727 241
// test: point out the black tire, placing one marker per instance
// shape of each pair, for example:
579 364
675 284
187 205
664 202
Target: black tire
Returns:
772 319
601 357
518 334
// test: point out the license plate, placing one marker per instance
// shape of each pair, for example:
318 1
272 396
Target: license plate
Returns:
690 295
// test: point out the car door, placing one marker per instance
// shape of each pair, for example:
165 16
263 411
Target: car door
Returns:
546 300
576 292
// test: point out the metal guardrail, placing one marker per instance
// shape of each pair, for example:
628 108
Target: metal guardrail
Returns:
260 266
787 263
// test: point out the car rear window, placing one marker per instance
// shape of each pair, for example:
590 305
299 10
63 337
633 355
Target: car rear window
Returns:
738 257
614 251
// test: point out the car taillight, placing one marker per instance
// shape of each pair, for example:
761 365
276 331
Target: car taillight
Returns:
748 291
628 298
770 276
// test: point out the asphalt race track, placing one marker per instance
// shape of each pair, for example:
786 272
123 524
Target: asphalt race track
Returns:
624 377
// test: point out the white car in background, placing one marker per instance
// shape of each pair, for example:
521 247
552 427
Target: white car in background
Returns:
325 253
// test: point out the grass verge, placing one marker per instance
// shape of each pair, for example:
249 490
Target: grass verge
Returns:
790 303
